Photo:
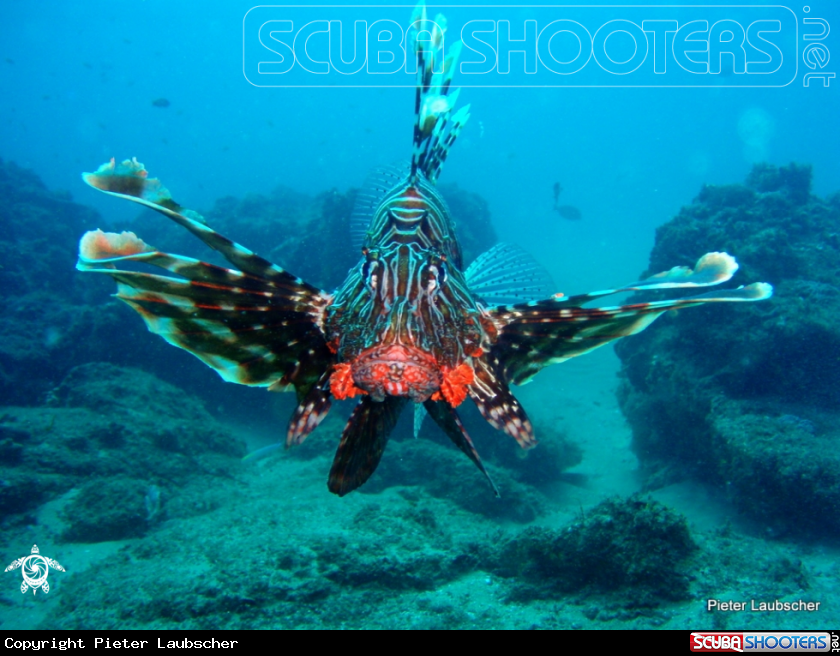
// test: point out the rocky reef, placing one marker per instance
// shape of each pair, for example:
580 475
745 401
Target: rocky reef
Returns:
111 460
634 545
123 443
748 397
402 559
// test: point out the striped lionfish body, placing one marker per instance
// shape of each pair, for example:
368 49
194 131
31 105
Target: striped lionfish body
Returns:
409 324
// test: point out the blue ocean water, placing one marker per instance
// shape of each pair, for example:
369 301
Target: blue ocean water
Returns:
81 87
86 82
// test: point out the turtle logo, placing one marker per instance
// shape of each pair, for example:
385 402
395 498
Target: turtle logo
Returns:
35 570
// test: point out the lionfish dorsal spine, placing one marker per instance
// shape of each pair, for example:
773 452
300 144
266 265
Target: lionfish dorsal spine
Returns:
436 126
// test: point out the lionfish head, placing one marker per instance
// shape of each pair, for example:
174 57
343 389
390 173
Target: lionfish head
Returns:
412 338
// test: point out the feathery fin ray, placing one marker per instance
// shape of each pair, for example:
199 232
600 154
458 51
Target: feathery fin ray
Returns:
255 325
436 126
536 334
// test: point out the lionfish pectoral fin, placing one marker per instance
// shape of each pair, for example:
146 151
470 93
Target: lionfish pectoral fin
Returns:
711 269
310 411
537 334
447 418
363 442
508 274
498 406
129 180
257 325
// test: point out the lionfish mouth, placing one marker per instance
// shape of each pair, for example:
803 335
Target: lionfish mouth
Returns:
396 370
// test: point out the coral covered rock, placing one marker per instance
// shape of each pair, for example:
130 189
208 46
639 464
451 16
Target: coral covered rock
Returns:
104 426
632 544
776 358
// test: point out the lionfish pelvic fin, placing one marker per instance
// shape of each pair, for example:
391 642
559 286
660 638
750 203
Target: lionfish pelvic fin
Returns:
498 406
311 410
363 442
445 416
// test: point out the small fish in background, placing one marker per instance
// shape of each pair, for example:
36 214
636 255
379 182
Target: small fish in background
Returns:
557 191
569 212
152 500
161 102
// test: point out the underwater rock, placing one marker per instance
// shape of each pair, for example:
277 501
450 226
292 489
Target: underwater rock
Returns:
106 388
350 565
794 181
105 423
50 323
105 510
39 231
781 469
772 357
634 544
42 321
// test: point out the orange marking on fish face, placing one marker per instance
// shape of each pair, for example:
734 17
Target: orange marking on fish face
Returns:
397 370
341 383
455 381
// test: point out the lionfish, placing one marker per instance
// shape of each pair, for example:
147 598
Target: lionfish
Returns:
408 325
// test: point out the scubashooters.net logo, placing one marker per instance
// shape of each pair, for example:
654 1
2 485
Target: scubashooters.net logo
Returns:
522 46
752 641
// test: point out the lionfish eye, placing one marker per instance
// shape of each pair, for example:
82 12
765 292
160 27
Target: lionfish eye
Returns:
436 276
369 274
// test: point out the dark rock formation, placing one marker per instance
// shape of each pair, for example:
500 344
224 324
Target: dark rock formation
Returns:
122 435
769 360
622 544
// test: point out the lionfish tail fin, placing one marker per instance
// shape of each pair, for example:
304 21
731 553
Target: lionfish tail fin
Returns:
436 124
